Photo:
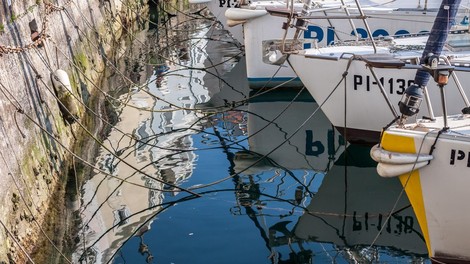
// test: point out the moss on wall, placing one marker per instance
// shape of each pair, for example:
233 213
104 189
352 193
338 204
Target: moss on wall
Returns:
47 175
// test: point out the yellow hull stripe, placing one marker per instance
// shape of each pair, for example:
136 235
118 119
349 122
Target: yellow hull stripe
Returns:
413 189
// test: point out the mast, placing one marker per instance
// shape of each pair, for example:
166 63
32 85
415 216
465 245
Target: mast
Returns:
445 18
413 95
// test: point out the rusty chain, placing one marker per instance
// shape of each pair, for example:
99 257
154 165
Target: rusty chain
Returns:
49 9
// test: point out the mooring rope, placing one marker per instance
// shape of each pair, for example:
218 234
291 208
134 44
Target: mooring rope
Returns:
86 162
274 149
394 207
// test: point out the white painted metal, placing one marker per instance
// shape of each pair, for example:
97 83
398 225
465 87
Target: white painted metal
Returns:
364 107
444 184
385 19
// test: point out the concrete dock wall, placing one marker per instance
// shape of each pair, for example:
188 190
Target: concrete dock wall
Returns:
38 133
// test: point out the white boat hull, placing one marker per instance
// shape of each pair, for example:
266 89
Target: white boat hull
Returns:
218 11
439 192
357 103
324 31
218 8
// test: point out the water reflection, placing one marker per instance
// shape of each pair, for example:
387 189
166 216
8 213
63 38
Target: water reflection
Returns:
275 182
147 153
351 214
367 218
289 121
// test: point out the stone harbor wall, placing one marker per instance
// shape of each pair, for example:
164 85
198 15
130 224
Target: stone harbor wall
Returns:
43 122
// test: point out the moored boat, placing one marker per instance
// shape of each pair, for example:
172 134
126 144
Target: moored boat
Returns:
260 29
438 190
352 81
432 160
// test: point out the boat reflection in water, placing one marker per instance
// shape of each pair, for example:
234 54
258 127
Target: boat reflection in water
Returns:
143 150
284 168
281 122
346 204
355 208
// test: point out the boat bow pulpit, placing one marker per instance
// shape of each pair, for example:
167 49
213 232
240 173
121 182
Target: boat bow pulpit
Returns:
432 160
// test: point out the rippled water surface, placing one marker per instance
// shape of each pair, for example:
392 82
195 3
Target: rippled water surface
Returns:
201 169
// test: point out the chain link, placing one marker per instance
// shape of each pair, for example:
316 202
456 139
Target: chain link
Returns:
49 9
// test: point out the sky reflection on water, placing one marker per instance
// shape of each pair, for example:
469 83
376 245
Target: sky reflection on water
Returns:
310 200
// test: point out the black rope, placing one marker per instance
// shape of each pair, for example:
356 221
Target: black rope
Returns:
433 146
387 126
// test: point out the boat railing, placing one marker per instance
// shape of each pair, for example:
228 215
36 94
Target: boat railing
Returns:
438 72
387 61
300 22
457 83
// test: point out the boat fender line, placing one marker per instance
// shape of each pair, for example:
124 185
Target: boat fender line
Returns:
388 170
64 92
381 155
232 23
238 14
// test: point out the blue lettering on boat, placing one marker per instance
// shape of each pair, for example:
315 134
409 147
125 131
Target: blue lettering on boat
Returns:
327 35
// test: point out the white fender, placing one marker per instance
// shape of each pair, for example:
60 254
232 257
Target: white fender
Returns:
64 91
61 80
243 14
232 23
382 156
388 170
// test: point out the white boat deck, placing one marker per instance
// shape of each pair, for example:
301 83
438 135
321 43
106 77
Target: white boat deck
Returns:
459 127
404 48
367 5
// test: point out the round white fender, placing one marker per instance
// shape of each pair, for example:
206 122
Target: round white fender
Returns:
392 170
64 91
243 14
382 156
61 80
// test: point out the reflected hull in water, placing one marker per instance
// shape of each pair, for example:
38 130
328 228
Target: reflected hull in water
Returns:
285 121
439 190
351 209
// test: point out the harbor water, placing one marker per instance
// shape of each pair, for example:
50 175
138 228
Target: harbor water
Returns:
199 168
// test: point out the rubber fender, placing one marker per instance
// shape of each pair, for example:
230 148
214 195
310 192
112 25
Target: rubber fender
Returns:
64 92
243 13
388 170
383 156
198 1
232 23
